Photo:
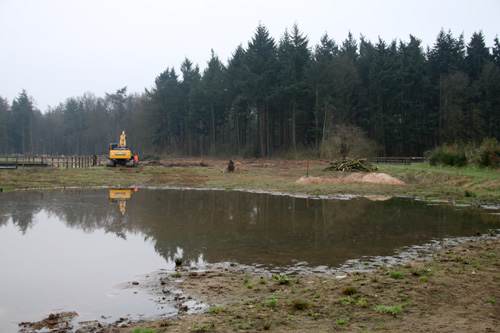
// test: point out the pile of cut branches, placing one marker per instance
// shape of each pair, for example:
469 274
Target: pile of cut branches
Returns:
350 165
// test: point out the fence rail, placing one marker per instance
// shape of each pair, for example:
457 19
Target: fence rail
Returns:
67 162
399 160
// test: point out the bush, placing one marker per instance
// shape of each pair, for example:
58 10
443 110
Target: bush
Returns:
448 156
489 155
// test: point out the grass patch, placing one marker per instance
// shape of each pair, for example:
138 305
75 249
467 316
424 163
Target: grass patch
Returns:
342 321
397 275
217 309
349 290
300 304
386 309
282 279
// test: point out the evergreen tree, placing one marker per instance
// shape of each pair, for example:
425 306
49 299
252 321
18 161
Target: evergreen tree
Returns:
261 62
213 84
477 55
22 131
5 120
294 58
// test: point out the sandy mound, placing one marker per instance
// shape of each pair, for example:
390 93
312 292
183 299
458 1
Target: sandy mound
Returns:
370 178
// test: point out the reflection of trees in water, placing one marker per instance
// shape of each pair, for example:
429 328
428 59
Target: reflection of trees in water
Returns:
254 228
21 207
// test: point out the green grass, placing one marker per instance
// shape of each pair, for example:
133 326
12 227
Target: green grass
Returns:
397 275
217 309
467 184
385 309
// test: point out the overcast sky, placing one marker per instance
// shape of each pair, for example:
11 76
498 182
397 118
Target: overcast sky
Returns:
56 49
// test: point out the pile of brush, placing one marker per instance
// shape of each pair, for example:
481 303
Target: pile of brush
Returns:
350 165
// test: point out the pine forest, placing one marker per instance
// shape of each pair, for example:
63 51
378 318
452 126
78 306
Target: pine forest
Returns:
283 98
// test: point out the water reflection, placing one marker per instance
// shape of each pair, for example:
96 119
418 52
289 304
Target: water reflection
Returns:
248 228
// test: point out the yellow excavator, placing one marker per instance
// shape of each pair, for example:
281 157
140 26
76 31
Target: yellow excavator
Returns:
120 154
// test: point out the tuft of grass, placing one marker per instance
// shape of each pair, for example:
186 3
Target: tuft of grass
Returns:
345 300
271 303
397 275
178 261
342 321
262 281
282 279
300 304
176 275
388 309
362 303
217 309
349 290
489 300
143 330
423 278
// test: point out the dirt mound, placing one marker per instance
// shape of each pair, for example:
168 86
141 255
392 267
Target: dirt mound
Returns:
371 178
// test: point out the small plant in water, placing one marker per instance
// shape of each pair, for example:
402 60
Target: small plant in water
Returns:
178 261
176 275
492 232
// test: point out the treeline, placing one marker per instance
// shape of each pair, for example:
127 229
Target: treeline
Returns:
283 98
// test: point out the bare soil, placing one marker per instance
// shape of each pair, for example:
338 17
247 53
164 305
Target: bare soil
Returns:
356 177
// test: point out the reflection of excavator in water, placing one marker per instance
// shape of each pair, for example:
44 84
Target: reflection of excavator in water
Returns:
120 154
120 196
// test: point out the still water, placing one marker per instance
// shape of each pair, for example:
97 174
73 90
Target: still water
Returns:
78 250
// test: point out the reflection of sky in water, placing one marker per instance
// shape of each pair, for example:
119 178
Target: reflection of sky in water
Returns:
53 268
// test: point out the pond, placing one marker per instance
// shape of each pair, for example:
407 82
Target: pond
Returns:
79 250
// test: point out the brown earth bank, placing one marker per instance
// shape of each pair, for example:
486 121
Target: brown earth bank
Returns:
456 290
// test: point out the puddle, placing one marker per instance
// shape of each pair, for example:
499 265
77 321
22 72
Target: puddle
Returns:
82 250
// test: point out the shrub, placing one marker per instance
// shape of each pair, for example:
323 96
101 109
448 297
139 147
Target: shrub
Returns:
448 158
489 155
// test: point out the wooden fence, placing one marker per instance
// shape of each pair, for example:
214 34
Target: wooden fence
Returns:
399 160
67 162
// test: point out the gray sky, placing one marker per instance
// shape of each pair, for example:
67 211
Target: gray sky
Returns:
56 49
